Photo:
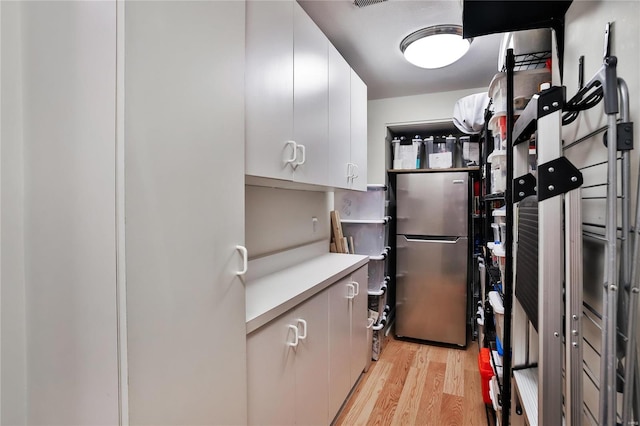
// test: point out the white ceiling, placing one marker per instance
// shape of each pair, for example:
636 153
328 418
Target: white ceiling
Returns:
369 39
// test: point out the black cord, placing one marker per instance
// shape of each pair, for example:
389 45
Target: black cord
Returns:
581 103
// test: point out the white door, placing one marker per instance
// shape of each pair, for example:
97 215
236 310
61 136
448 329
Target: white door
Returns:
359 131
184 127
340 302
360 348
312 361
310 101
271 372
269 83
339 119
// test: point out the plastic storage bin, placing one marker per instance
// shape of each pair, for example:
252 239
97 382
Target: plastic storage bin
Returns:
369 236
470 152
498 313
498 160
486 373
377 275
440 152
358 205
406 154
525 84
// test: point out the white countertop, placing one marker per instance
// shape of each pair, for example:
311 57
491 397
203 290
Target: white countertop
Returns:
274 294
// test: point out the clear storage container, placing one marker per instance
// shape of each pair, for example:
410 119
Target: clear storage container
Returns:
359 205
377 275
440 152
525 84
369 236
406 154
470 152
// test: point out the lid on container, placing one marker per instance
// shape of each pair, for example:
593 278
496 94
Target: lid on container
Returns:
395 140
465 139
450 138
496 302
502 211
405 141
495 154
498 250
417 138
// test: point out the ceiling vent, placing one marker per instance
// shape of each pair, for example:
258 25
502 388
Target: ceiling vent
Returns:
363 3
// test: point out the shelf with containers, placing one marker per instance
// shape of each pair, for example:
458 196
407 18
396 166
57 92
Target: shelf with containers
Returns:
364 221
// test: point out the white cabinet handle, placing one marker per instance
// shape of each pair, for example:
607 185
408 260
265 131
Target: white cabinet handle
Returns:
294 153
295 336
245 260
303 150
357 288
349 170
352 294
353 175
304 329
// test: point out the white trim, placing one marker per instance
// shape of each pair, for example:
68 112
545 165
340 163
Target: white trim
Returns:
121 277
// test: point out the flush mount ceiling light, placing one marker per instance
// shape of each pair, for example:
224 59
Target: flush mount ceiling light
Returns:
435 47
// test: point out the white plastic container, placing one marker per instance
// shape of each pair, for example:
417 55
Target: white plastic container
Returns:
440 152
498 312
498 160
525 84
369 236
496 233
358 205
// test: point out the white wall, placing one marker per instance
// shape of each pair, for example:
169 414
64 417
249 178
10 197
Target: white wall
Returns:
69 68
406 109
12 290
279 219
585 24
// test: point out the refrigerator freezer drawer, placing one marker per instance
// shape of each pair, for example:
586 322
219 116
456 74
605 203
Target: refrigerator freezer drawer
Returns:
432 203
431 289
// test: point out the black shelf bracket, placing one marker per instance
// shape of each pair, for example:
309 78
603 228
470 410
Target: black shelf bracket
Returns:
624 134
523 187
557 177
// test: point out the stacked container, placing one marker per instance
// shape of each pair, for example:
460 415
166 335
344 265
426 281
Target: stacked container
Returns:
363 218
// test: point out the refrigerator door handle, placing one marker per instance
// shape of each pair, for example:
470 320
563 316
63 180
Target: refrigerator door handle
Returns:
456 181
420 239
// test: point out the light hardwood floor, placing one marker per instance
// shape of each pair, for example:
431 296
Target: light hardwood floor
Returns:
418 384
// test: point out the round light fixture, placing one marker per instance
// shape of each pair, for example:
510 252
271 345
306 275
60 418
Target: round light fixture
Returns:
435 47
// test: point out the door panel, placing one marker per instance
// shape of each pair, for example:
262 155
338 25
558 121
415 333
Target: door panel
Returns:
312 362
359 131
359 313
339 138
339 345
432 204
271 373
432 289
310 100
269 83
184 123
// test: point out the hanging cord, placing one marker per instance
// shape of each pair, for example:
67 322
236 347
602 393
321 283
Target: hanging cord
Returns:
581 103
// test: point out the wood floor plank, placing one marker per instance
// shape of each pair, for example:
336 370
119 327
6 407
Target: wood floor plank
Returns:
454 377
407 409
474 410
438 354
429 408
471 357
363 405
451 410
390 394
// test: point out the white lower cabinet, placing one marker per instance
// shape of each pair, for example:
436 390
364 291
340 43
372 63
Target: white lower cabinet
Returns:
302 365
348 345
287 367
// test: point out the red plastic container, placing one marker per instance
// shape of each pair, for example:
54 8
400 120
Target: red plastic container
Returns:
486 373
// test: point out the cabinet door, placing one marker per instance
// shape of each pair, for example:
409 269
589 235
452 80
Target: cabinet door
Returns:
269 83
310 101
184 118
340 302
312 362
339 119
360 348
271 373
359 131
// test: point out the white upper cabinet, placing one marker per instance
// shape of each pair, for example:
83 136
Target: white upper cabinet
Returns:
269 94
358 132
339 120
300 122
310 102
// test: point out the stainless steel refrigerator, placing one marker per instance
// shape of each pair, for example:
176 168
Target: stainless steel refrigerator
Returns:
432 256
